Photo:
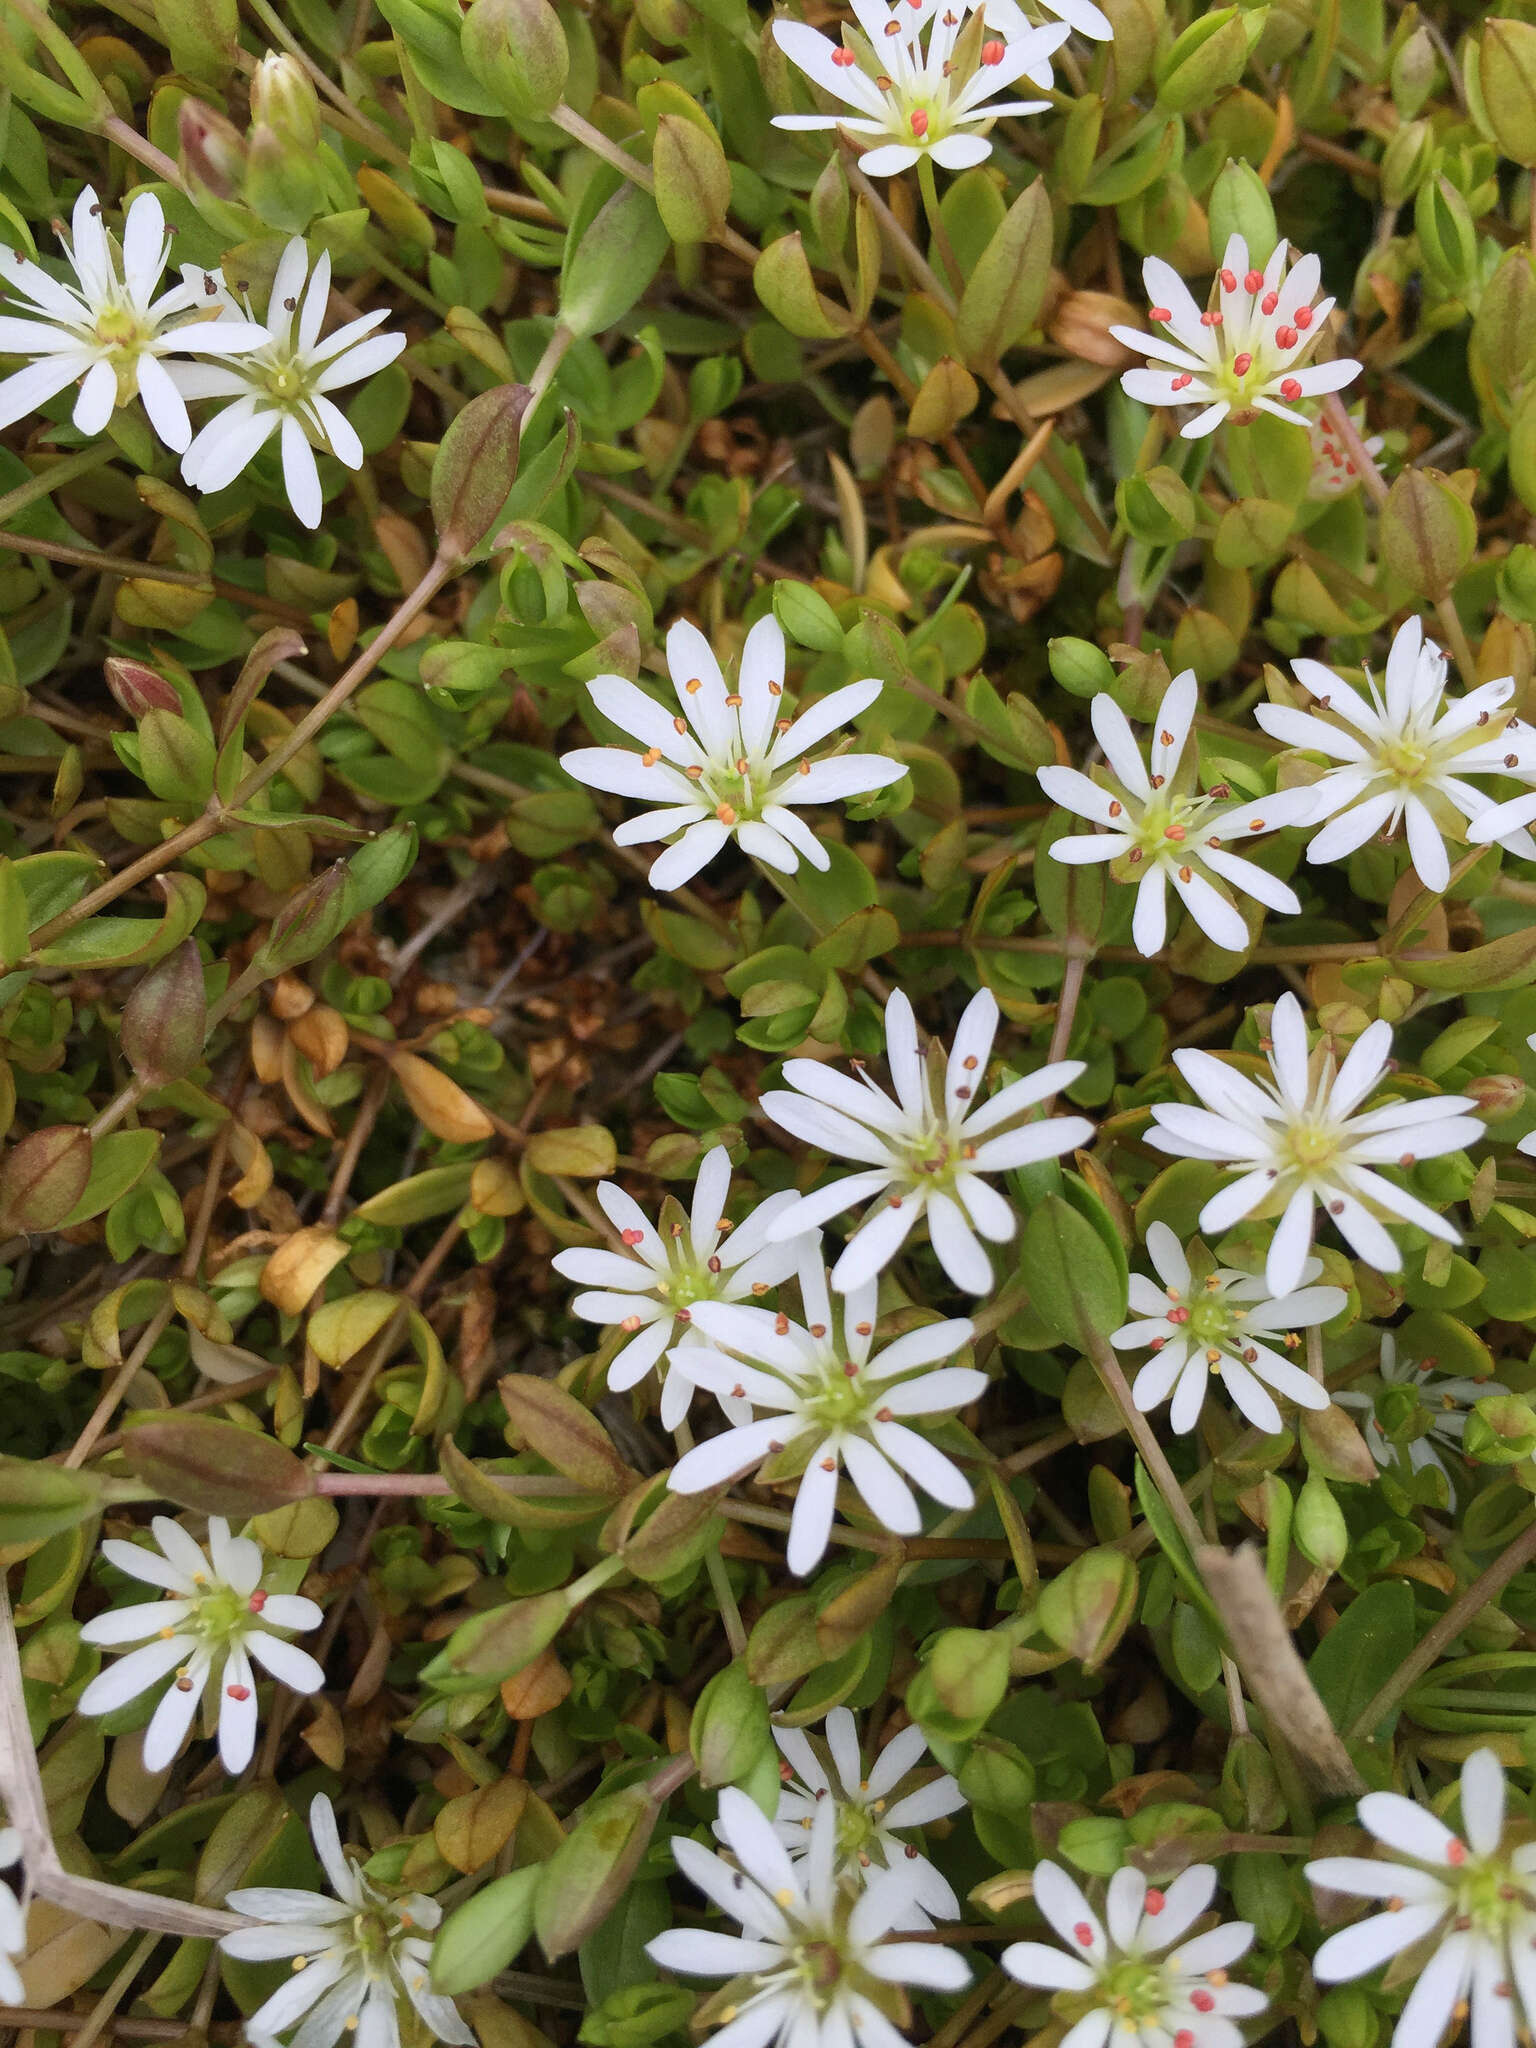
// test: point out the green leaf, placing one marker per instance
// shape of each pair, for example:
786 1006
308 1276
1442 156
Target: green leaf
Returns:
1368 1643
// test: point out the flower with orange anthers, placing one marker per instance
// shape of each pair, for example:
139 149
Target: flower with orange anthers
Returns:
920 78
1246 352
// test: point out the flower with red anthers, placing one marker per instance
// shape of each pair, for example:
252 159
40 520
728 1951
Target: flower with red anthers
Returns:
1244 352
916 86
1123 1976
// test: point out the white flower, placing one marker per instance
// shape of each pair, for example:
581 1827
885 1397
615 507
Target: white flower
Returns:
108 330
13 1925
1120 1983
1446 1401
727 765
1164 830
281 388
920 100
1405 754
1334 470
652 1288
1080 15
1468 1894
822 1390
1299 1143
352 1955
925 1152
867 1837
811 1967
216 1618
1246 352
1217 1325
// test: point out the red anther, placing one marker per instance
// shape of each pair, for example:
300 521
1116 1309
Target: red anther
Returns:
1455 1853
1155 1901
1242 364
256 1602
1202 2001
1253 283
1286 337
1303 317
992 53
919 124
1269 302
633 1236
238 1692
1159 313
1184 379
1291 388
1183 2039
1228 281
1178 1315
842 58
1212 319
1082 1934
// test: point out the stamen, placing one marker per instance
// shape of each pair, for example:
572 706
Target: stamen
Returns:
842 58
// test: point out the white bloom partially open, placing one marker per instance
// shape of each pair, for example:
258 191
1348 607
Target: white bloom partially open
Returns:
283 388
1163 831
920 77
822 1389
869 1837
108 331
1245 352
1121 1978
353 1957
1470 1895
652 1287
1300 1145
1404 755
13 1925
926 1153
216 1618
812 1967
1215 1324
1335 473
1444 1401
728 765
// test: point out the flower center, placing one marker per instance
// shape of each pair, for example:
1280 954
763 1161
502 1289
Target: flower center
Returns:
841 1400
819 1965
1135 1990
119 328
1311 1145
286 379
1405 759
1491 1897
1167 826
1210 1320
223 1615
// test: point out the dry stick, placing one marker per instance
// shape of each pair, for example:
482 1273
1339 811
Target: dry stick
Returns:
118 565
1466 1605
1272 1669
21 1787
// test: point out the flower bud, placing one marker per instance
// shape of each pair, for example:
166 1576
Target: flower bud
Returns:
1446 235
1428 532
283 183
1319 1529
693 179
1207 58
43 1177
1496 1095
139 689
211 151
517 50
1413 73
283 99
217 1468
309 921
961 1683
165 1019
1087 1608
997 1775
1079 666
476 467
1406 161
1347 2018
1507 77
1504 331
729 1734
1501 1430
498 1644
1158 507
1240 205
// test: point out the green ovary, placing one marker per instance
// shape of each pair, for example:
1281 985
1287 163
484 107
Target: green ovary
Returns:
1490 1895
223 1615
1135 1991
1311 1146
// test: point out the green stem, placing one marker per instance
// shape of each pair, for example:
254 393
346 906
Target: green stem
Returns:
927 185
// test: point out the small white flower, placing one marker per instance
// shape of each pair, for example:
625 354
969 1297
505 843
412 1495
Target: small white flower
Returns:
282 388
918 99
1217 1325
728 765
216 1618
1246 352
1164 831
925 1152
1404 754
13 1925
867 1839
108 331
1334 470
823 1390
812 1967
1468 1894
1447 1402
1299 1144
652 1288
352 1956
1122 1978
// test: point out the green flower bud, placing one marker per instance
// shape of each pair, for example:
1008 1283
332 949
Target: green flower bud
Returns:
283 98
309 921
1504 331
498 1644
1087 1608
1240 205
1079 666
1157 506
1428 532
1346 2017
165 1019
1517 582
139 689
516 50
961 1683
1447 237
1501 1430
1207 58
1507 75
218 1468
693 179
1406 160
210 150
729 1734
1413 73
283 182
1319 1528
998 1776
